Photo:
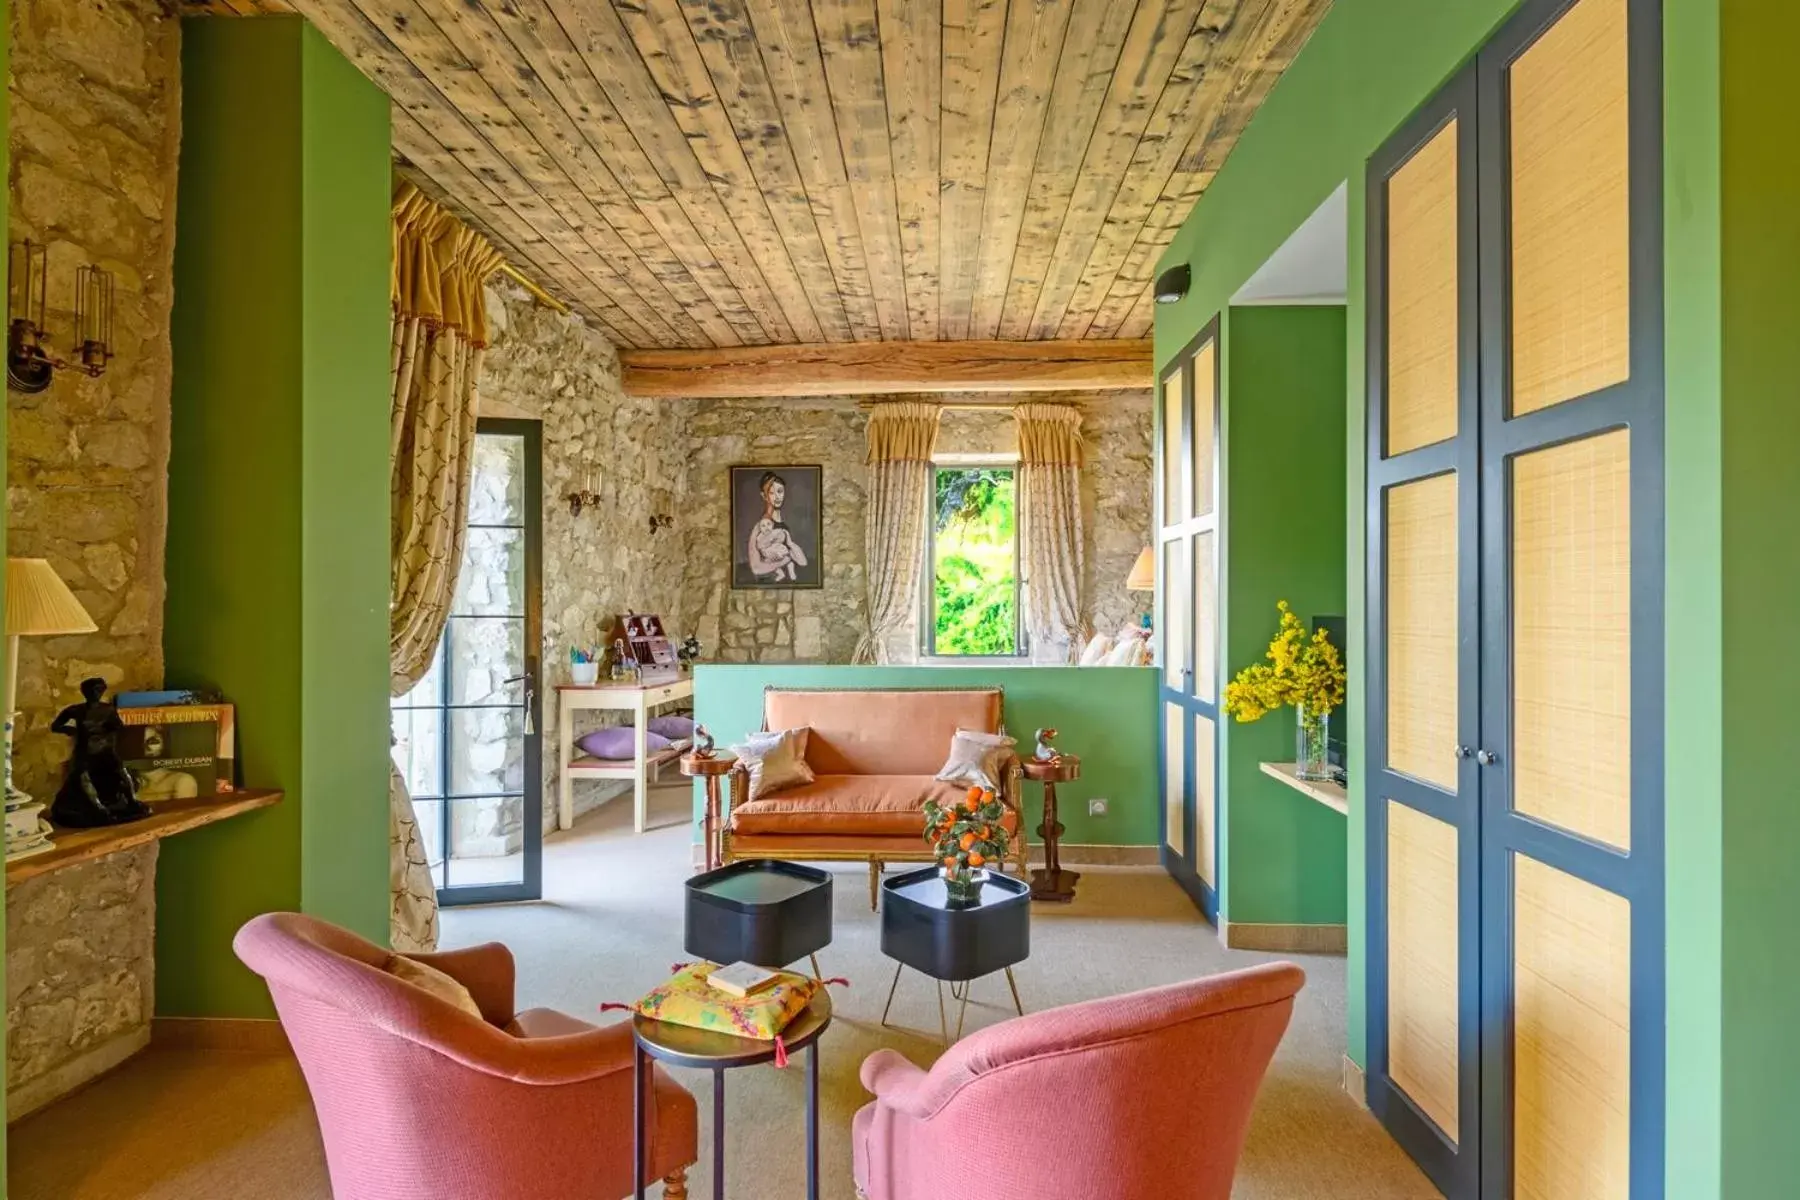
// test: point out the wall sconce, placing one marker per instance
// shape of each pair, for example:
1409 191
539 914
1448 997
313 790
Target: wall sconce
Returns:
29 363
587 497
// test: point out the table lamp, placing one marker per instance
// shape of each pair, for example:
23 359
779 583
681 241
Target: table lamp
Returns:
38 603
1143 577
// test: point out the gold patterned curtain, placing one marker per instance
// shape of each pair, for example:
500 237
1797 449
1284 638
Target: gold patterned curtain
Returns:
439 334
902 435
1050 523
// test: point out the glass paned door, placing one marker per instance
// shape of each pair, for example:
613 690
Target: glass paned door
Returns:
465 737
1188 617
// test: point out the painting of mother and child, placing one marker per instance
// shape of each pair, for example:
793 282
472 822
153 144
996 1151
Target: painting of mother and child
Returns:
776 527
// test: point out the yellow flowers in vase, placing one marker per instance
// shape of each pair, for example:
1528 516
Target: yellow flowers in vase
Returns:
1304 672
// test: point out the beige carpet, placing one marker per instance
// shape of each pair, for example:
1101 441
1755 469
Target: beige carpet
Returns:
185 1126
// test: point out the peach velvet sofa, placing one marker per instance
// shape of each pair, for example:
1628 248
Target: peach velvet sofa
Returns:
875 754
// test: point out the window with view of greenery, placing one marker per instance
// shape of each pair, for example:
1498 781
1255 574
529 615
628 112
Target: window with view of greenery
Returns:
974 564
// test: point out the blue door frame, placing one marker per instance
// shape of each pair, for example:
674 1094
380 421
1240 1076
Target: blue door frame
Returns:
1491 834
1181 863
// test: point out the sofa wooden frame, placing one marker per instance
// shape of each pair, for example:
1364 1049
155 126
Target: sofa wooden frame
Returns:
1011 795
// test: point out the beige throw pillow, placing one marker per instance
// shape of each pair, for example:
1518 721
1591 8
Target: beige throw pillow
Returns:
423 975
975 758
776 760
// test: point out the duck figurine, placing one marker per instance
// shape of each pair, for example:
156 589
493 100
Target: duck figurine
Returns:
703 742
1046 753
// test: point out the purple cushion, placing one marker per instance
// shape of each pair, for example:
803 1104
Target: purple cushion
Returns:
615 742
674 726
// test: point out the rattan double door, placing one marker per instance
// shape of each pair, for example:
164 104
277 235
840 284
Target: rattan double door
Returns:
1514 799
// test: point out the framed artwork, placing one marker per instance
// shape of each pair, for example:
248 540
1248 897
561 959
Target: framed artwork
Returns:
777 526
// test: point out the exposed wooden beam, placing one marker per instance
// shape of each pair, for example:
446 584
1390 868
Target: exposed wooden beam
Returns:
880 368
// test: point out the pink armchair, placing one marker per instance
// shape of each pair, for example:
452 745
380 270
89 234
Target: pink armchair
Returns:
419 1100
1136 1096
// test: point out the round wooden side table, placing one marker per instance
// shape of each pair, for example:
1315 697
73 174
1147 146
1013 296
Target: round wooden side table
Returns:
1051 882
712 770
707 1050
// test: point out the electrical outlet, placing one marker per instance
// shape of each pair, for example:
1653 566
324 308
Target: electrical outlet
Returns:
1097 806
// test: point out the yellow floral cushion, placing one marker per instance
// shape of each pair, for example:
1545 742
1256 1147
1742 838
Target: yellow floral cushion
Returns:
687 999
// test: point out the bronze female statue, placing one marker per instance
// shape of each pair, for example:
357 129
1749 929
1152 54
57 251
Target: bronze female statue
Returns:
99 789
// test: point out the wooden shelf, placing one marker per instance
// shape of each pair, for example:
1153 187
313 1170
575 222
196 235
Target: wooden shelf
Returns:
167 818
1331 795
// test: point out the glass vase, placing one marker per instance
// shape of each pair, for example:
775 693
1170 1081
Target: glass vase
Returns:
1311 760
963 885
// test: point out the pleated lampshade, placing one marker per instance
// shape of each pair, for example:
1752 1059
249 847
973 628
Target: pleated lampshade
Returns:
1143 573
38 602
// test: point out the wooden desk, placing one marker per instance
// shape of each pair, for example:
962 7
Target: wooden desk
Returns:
1331 795
167 818
615 697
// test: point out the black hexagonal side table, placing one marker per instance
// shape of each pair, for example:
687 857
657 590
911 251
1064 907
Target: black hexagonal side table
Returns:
759 911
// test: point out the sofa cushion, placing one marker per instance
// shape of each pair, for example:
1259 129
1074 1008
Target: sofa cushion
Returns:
877 805
893 732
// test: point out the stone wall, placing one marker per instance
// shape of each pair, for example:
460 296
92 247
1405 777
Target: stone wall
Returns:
95 102
777 625
80 973
823 625
547 366
1115 491
95 96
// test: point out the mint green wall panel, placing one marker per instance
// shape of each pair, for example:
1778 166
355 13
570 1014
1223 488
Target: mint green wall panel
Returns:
1107 715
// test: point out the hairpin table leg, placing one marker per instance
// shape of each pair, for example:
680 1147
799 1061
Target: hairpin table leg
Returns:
1014 985
891 988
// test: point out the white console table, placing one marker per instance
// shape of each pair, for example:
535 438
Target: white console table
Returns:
640 701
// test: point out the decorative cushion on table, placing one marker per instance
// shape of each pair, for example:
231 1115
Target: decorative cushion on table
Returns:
615 741
673 726
975 758
687 999
775 760
430 979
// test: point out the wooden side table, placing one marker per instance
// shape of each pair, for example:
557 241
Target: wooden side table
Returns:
636 699
1051 882
712 770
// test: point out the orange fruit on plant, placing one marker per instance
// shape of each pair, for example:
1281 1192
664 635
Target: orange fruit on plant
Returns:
975 859
949 860
967 840
974 793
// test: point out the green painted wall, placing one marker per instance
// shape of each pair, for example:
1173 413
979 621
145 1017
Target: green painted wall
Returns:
1284 540
1315 131
278 490
1107 715
1760 438
1693 597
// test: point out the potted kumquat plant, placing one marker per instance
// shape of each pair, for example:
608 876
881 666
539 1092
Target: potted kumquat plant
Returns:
966 835
1304 672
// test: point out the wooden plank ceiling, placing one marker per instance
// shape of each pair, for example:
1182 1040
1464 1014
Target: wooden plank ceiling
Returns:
697 173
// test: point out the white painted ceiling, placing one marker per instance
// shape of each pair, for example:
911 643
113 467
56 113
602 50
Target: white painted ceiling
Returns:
1310 267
